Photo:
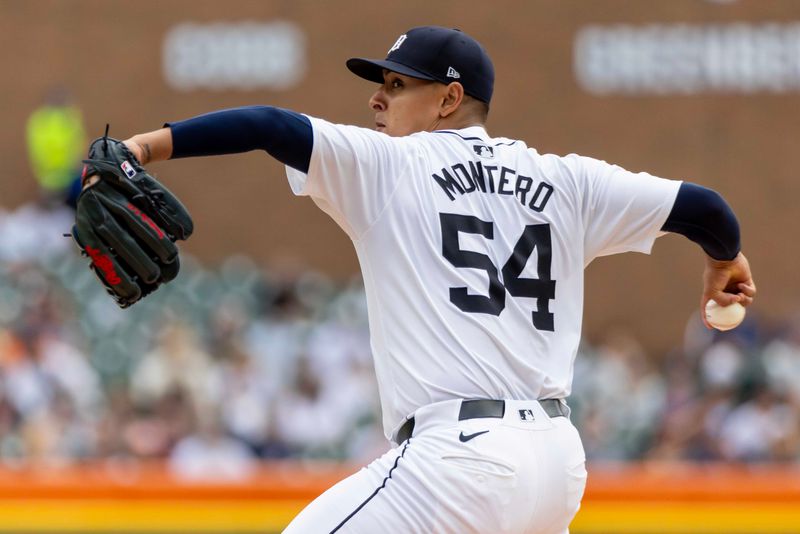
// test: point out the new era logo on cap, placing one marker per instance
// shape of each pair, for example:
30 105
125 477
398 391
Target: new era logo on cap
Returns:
452 73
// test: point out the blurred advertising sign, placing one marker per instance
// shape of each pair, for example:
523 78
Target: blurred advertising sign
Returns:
234 56
687 59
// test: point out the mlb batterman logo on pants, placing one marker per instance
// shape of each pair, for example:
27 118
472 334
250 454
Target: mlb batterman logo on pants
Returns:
472 249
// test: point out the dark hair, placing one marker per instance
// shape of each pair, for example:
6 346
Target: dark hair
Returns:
480 107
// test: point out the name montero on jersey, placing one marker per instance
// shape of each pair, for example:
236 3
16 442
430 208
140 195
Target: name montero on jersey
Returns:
473 176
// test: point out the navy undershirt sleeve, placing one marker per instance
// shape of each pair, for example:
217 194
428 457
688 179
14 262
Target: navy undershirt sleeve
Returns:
285 135
703 216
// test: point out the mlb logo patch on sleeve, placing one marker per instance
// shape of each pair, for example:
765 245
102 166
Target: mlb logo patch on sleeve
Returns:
127 168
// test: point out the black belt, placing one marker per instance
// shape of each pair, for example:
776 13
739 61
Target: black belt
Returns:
476 408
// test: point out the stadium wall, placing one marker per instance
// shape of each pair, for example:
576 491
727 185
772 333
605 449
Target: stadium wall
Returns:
730 124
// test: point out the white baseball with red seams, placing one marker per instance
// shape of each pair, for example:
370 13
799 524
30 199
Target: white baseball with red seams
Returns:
472 250
724 318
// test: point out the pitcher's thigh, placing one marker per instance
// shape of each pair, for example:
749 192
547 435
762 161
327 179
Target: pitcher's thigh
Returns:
366 501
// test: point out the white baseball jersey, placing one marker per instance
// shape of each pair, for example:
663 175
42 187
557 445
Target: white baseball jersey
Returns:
472 250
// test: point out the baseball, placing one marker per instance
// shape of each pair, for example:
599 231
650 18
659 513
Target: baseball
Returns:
724 317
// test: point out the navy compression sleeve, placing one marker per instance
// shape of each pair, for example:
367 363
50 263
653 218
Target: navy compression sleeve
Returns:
285 135
703 216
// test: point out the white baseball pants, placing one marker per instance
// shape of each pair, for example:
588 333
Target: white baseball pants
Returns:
518 474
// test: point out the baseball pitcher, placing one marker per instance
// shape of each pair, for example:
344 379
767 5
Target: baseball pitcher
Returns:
472 249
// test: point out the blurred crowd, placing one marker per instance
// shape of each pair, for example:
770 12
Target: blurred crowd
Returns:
228 366
732 396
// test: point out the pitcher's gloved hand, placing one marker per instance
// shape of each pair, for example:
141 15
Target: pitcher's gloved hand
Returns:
127 223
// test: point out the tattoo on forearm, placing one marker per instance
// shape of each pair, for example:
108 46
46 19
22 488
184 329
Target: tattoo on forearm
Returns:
147 153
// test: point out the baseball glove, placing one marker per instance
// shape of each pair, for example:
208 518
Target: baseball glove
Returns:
127 223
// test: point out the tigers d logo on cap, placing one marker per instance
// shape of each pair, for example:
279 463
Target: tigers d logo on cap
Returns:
397 43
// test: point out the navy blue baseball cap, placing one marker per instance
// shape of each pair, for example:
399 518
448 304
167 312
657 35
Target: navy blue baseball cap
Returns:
434 53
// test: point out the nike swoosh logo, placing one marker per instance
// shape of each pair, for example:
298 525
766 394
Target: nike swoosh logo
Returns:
463 439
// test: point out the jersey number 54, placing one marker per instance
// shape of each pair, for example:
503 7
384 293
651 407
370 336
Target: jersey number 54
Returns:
543 289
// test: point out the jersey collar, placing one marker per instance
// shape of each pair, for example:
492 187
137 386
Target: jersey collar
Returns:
470 132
